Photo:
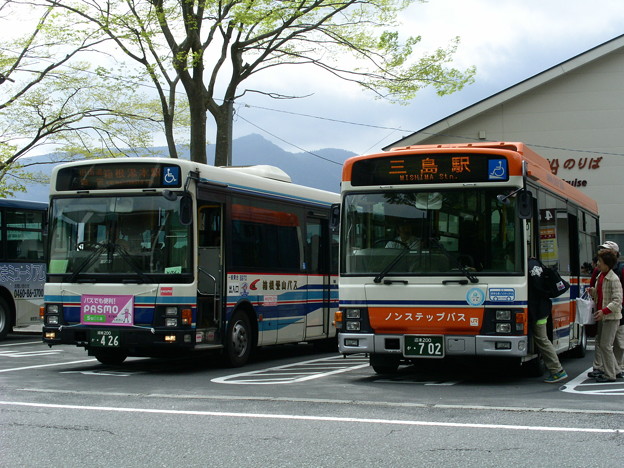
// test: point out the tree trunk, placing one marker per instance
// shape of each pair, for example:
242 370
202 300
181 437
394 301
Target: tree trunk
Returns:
198 130
224 121
173 150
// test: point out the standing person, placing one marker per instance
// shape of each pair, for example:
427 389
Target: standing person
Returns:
618 346
540 307
607 295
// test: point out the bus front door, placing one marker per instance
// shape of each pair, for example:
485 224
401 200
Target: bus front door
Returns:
210 272
317 266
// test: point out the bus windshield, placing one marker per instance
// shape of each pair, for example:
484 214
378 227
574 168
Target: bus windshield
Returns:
431 232
118 238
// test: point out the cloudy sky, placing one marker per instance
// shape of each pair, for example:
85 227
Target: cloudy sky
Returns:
507 40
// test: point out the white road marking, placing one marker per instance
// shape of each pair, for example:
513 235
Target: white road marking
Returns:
583 385
46 365
20 354
103 372
398 422
20 344
297 372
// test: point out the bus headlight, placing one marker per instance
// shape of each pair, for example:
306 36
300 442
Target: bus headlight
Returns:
353 319
503 328
171 322
52 314
353 313
503 315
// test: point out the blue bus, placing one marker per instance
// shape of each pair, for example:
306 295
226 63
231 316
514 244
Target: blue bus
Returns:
22 263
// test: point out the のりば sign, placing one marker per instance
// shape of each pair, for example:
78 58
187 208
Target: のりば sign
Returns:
107 310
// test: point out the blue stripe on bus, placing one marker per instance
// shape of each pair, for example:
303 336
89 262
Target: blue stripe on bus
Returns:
461 303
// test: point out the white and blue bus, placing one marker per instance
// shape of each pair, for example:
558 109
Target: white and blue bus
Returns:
156 257
22 263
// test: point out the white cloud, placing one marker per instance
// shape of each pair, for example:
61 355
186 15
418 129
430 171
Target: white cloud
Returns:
507 40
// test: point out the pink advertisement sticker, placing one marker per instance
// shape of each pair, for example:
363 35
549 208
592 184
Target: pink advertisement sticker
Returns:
96 309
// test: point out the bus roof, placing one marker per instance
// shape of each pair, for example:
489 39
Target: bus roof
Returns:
538 167
27 204
269 180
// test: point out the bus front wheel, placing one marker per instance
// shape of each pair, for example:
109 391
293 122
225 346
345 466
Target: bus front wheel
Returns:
5 319
384 364
111 358
238 340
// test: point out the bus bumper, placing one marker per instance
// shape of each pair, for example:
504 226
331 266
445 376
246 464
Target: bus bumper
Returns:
135 340
479 345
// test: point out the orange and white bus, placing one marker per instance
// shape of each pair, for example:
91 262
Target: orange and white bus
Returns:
157 257
457 286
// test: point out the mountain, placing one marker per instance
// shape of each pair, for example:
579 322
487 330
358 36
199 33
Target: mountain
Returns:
320 169
314 169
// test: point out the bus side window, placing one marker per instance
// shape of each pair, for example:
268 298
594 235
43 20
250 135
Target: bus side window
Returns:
210 227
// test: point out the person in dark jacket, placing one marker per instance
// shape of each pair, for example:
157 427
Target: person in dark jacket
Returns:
540 307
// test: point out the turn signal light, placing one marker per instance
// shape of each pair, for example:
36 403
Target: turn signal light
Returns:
187 316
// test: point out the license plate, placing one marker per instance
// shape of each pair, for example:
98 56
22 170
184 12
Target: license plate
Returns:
105 338
424 346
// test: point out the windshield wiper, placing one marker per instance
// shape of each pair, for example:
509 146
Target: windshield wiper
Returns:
89 260
469 274
131 262
390 265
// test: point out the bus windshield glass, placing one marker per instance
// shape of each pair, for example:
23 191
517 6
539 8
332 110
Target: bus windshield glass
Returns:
116 238
460 232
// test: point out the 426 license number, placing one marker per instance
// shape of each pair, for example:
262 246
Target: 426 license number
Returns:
430 346
105 338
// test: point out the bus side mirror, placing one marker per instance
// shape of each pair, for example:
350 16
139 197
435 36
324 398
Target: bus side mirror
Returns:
334 217
186 210
524 204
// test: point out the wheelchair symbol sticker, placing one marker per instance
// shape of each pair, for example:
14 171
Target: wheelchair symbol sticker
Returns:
497 169
171 176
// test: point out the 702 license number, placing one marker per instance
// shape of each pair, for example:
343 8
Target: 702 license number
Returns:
424 346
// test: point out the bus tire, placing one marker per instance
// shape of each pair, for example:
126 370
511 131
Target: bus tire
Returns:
239 340
581 349
5 319
111 358
382 364
534 368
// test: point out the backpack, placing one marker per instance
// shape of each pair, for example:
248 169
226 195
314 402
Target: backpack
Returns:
553 282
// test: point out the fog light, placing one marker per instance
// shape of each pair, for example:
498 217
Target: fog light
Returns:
50 335
353 326
351 342
502 345
53 320
503 328
171 322
170 338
